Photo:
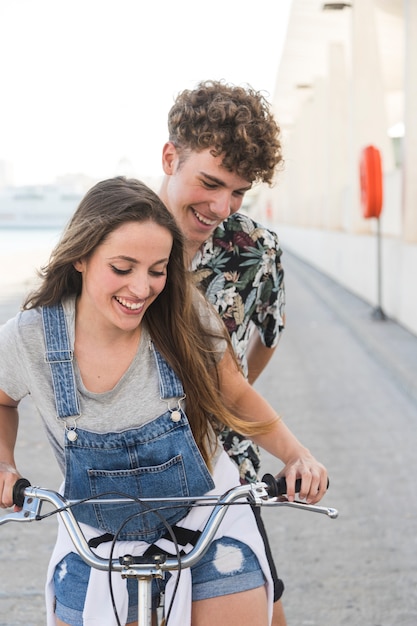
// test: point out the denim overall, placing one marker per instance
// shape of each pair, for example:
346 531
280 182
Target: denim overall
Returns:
158 459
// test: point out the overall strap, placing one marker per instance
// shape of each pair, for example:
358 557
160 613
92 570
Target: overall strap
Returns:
170 385
60 357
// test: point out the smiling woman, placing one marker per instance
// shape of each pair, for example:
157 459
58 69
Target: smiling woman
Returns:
133 375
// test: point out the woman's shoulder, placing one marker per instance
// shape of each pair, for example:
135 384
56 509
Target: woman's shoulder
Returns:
27 318
26 322
20 331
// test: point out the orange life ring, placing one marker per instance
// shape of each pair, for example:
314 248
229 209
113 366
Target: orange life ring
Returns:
371 182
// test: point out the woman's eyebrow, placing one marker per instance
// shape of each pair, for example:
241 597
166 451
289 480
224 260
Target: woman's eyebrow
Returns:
129 259
122 257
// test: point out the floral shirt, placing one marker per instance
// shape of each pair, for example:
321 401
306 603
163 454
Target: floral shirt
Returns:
239 270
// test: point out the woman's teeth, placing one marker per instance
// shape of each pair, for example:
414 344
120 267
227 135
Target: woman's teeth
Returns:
133 306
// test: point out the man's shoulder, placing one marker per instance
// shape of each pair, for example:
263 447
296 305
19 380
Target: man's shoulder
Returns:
240 223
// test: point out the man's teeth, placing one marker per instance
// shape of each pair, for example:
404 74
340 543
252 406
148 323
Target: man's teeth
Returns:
204 220
133 306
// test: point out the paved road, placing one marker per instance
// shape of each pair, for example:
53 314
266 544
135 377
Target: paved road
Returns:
346 385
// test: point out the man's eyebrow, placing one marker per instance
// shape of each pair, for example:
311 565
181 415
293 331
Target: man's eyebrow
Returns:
220 182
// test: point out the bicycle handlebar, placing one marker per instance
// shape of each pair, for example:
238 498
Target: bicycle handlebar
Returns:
275 487
269 492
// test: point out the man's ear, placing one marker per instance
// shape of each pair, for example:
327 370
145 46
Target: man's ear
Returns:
169 158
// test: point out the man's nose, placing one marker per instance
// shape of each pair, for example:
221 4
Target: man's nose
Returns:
222 205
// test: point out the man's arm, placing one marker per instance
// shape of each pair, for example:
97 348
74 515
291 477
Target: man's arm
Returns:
258 356
268 327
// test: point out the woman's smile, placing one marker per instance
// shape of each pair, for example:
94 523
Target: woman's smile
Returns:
135 307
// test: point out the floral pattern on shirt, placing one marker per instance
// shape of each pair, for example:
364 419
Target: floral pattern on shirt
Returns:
239 270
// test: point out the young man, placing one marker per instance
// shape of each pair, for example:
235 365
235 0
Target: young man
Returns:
222 140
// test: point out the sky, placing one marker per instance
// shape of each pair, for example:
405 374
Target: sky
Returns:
86 85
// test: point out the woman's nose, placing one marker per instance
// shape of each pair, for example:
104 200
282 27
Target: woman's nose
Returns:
140 287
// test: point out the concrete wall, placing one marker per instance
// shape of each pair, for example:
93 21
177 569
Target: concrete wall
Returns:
352 260
380 267
362 90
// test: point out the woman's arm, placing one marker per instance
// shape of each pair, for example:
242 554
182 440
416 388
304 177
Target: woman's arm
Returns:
243 400
9 420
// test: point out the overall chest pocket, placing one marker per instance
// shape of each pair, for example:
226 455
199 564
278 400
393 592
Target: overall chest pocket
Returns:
140 520
156 461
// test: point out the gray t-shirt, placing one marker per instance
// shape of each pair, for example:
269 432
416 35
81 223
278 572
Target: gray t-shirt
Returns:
134 401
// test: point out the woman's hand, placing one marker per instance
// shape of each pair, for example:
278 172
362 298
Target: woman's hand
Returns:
313 477
9 421
8 477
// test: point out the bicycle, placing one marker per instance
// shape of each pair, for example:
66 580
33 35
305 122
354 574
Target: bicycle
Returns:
267 492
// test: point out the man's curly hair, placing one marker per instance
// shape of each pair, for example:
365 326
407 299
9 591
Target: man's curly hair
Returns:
232 121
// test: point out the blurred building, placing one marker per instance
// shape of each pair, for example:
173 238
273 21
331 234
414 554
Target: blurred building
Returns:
37 206
348 79
6 173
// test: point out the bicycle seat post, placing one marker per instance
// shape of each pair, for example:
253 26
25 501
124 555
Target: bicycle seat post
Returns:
139 567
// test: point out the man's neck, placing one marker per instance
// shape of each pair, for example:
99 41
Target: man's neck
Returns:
191 249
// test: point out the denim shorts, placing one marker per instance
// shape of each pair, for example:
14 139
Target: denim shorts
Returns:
229 566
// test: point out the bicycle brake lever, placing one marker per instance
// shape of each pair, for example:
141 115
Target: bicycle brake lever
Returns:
29 512
314 508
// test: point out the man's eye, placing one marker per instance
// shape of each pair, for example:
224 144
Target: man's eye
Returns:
209 185
116 270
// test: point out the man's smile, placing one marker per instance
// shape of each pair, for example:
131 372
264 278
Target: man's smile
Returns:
204 220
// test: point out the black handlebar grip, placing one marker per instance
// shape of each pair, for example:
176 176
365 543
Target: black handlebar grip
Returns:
278 486
19 491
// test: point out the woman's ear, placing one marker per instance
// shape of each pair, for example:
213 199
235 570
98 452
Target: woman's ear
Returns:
79 265
169 158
